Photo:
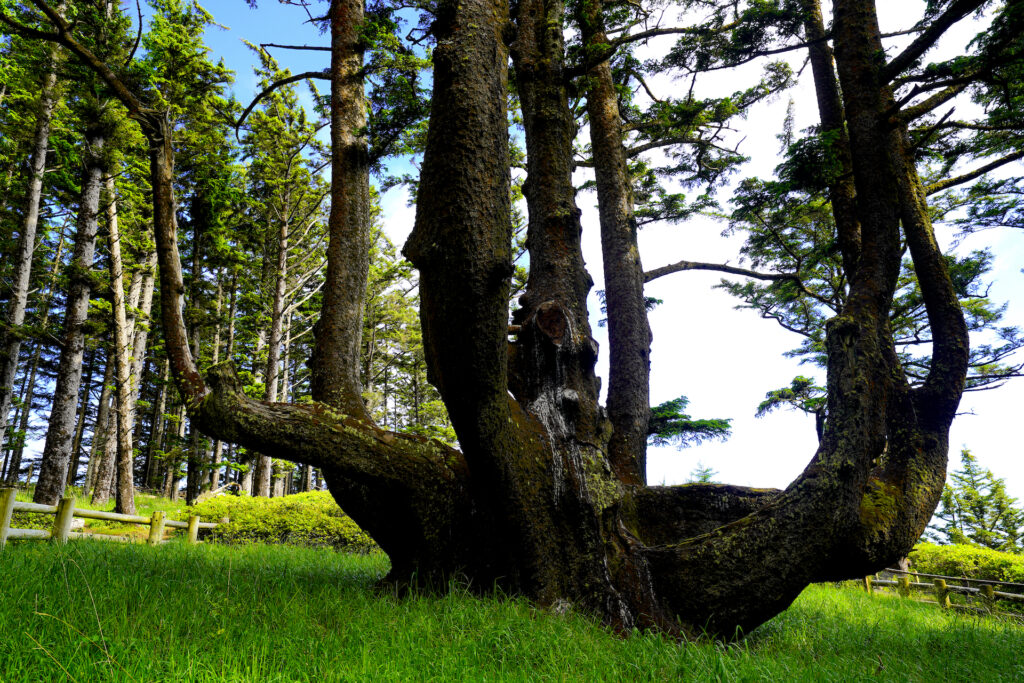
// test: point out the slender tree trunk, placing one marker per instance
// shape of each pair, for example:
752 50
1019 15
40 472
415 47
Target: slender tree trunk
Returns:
127 378
286 376
83 412
264 467
156 439
215 456
100 430
336 353
29 394
53 470
629 333
842 190
12 464
10 342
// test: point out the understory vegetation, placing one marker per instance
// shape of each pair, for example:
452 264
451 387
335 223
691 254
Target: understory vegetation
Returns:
311 520
970 561
92 611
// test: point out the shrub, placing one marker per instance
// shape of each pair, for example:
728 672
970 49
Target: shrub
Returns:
969 561
312 520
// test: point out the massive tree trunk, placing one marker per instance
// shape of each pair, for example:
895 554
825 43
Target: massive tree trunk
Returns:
53 470
532 503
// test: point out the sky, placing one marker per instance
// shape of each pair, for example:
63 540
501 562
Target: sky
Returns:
722 359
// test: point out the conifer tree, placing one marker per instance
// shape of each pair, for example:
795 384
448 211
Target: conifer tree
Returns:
975 509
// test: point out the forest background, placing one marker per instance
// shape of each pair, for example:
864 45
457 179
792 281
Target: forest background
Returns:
723 360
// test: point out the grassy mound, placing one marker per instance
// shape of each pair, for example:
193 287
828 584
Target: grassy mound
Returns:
311 520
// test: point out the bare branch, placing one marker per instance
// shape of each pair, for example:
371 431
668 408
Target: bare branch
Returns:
318 48
718 267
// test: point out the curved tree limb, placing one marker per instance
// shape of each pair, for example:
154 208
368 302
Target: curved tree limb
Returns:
322 75
680 266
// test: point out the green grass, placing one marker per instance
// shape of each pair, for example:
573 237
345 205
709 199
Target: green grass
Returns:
91 611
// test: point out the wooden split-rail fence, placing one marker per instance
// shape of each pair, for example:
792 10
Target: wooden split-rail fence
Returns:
942 588
65 511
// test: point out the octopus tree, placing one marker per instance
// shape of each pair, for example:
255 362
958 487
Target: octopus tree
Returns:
538 501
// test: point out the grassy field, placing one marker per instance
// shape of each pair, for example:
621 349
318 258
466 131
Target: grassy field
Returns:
92 611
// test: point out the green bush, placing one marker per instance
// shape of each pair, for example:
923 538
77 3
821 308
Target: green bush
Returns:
311 520
969 561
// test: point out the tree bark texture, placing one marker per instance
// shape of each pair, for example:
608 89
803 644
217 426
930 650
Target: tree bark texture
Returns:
335 363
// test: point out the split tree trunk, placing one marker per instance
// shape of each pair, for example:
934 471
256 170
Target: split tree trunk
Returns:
532 504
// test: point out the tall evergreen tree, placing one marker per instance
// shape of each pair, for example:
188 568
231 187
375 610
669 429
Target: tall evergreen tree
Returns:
975 509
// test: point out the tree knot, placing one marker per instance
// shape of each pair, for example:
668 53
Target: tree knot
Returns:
553 321
223 379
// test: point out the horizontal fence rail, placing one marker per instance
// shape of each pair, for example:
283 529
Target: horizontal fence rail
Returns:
65 511
942 587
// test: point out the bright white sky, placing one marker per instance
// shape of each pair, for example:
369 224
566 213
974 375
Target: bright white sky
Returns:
722 359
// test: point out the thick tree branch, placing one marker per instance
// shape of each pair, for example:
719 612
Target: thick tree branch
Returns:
719 267
937 100
669 514
924 42
971 175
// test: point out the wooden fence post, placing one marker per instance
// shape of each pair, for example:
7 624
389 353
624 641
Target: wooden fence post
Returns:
62 522
6 509
904 587
941 593
193 529
867 584
156 528
988 596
